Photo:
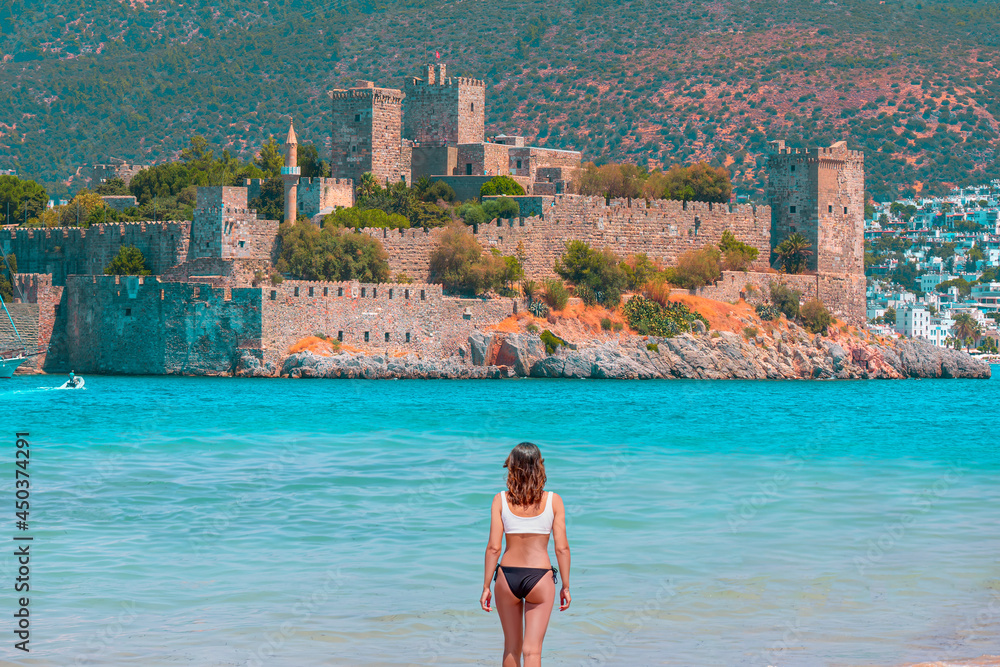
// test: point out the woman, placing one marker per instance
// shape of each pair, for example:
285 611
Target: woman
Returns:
526 514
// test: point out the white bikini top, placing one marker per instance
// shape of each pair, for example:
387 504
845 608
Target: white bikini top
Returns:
540 524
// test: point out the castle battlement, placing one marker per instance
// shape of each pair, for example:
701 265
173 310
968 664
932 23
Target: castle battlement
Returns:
123 229
377 95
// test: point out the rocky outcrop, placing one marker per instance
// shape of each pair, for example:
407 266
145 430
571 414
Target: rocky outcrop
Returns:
360 366
719 355
918 359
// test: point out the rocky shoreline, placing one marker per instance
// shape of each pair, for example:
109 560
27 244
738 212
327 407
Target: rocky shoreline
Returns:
789 354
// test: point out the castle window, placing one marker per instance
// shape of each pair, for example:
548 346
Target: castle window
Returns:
357 118
128 312
423 295
390 292
845 210
296 291
518 164
472 106
354 149
326 291
407 336
340 291
374 292
793 168
387 336
363 292
791 209
830 209
406 294
242 243
366 336
340 336
468 169
274 295
310 291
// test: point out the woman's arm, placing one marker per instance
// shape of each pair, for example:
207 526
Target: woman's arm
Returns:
562 549
492 552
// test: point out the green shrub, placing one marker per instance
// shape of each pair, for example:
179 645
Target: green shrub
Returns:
586 295
128 262
459 263
357 218
696 268
617 326
501 185
532 328
785 299
472 213
650 318
606 324
653 347
815 316
556 294
599 270
530 289
736 255
504 207
552 341
750 332
308 253
767 312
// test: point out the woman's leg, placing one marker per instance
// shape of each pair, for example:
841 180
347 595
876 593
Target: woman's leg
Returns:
537 610
511 612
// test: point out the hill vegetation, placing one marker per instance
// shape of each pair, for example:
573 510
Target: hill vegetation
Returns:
913 84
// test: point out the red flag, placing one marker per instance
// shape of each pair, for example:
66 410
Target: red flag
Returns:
437 54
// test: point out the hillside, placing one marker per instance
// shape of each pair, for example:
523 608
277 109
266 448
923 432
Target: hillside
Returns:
911 84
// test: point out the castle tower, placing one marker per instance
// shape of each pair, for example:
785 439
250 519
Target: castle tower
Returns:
290 174
820 193
367 122
442 110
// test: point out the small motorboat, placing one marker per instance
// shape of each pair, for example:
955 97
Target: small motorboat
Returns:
74 382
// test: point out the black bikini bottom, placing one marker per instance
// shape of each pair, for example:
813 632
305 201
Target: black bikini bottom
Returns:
521 580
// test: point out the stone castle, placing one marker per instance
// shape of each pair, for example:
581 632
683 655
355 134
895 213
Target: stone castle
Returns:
208 305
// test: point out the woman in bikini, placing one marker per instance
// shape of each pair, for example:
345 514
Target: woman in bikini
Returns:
525 514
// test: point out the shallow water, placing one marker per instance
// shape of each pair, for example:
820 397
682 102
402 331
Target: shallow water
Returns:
214 521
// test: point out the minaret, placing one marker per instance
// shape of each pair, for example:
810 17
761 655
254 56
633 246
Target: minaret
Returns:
290 174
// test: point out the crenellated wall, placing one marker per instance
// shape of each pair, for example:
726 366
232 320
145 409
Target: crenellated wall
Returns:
661 229
64 251
393 317
135 325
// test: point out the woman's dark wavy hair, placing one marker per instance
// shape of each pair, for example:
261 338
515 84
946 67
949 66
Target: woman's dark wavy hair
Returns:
525 475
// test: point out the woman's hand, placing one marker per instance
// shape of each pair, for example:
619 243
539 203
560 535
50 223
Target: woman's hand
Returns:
564 599
484 600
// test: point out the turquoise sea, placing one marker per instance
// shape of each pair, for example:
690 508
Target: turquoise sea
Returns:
217 521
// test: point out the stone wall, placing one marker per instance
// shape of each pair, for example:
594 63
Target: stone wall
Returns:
433 161
366 134
392 317
317 195
442 109
661 229
50 311
842 294
527 160
136 325
223 226
64 251
483 158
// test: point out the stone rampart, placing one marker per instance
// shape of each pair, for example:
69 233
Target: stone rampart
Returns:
64 251
139 325
393 317
37 290
843 294
661 229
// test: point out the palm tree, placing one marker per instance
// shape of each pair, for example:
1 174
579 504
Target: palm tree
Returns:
793 252
966 329
368 186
